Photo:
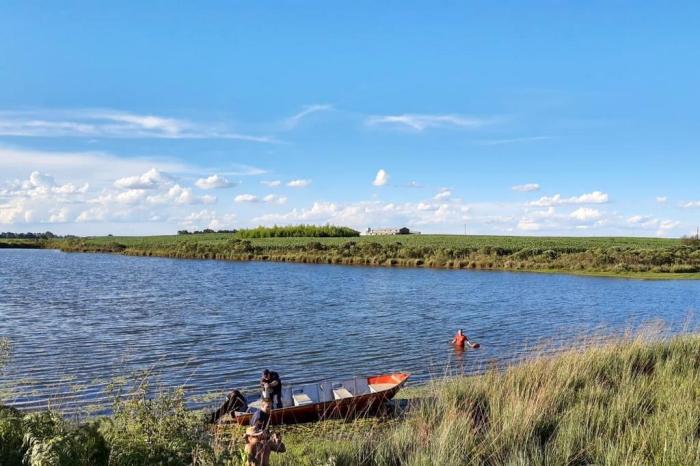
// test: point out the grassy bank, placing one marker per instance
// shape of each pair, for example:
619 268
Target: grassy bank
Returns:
626 402
625 257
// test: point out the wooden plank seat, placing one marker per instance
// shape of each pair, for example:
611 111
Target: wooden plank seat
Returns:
301 399
341 393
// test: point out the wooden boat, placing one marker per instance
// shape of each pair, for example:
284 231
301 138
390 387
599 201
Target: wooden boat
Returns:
329 399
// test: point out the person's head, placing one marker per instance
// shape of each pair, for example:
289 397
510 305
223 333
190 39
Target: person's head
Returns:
460 332
266 405
266 373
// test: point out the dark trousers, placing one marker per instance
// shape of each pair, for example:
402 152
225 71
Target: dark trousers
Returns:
277 396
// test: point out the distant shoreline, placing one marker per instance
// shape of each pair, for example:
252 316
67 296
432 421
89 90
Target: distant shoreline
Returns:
617 257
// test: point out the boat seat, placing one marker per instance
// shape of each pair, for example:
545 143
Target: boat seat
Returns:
341 393
380 387
301 399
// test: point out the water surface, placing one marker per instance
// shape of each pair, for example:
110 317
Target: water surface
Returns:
77 320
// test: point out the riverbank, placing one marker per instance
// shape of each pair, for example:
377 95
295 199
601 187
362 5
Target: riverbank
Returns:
643 258
632 401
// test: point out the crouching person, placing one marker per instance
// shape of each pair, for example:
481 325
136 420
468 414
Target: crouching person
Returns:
235 401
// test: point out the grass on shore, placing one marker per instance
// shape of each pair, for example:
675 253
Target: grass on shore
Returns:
628 401
655 258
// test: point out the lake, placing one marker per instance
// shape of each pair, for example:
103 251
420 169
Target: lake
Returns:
78 320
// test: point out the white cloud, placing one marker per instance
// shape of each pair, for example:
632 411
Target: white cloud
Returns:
661 199
381 178
526 188
112 124
585 214
690 204
180 195
269 199
299 183
596 197
208 219
420 122
443 194
59 215
152 179
214 182
274 199
294 120
528 225
271 183
246 198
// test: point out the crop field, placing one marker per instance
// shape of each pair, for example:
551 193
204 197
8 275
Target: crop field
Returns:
432 241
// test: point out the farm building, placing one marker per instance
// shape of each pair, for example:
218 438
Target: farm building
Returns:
386 231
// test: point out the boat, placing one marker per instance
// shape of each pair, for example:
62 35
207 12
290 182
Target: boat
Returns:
328 399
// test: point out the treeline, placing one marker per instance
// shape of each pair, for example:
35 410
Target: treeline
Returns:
298 231
45 235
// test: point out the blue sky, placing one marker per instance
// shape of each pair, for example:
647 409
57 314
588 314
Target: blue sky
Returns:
557 118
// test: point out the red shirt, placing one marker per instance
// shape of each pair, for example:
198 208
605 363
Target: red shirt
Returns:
460 340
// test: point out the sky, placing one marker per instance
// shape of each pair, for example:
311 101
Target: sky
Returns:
508 118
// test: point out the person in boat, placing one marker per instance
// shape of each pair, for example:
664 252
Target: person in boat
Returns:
272 387
235 401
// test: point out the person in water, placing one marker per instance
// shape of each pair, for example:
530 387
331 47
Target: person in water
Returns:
235 401
460 339
272 387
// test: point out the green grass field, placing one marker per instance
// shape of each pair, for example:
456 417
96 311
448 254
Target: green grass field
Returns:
433 241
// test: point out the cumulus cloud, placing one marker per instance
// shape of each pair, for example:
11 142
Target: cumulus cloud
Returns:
585 214
246 198
299 183
152 179
381 178
214 182
596 197
274 199
690 204
271 183
526 188
661 199
208 219
420 122
180 195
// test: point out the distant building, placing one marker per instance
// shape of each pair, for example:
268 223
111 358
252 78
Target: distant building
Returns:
386 231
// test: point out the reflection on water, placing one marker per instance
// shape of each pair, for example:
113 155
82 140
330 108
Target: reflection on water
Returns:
77 320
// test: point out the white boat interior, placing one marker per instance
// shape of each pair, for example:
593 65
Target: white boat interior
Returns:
322 392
